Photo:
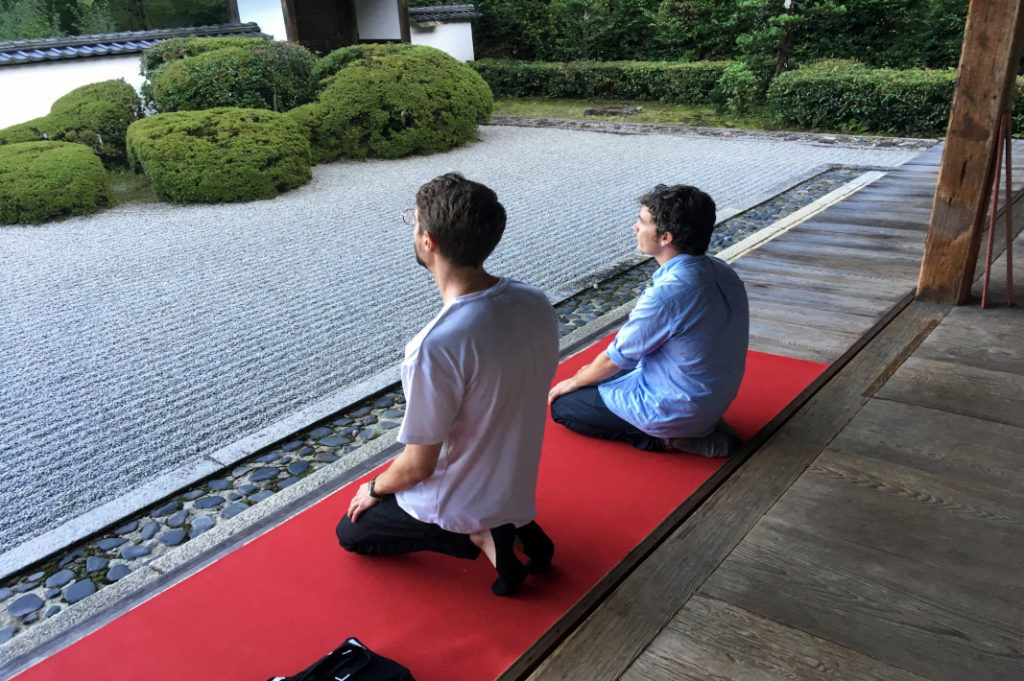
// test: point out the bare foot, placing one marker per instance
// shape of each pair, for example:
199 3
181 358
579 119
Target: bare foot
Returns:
485 542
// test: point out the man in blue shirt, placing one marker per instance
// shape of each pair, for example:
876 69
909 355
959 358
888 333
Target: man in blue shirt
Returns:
676 364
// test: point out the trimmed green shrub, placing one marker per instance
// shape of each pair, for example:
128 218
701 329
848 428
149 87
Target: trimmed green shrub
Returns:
174 49
737 90
219 155
97 115
394 100
41 181
678 82
259 75
849 96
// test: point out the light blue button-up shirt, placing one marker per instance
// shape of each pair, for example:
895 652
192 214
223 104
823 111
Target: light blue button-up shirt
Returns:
685 346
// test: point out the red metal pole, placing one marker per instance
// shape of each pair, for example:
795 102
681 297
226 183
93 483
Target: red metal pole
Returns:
1007 128
992 217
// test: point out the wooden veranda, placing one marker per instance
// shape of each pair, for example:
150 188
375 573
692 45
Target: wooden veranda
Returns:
878 531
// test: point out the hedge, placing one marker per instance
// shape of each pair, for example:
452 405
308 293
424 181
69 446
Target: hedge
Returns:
97 115
41 181
259 74
677 82
219 155
173 49
393 100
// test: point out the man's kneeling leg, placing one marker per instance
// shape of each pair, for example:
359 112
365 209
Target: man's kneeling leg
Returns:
723 441
385 529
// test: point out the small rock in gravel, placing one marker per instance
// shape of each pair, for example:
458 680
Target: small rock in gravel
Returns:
298 467
70 557
272 456
248 489
96 563
6 633
260 496
218 485
110 543
335 441
240 471
24 605
264 474
5 593
117 572
209 502
320 432
22 588
79 590
178 519
172 537
52 610
127 528
231 510
51 593
150 530
60 578
36 576
133 552
287 483
326 457
288 447
201 524
193 494
167 509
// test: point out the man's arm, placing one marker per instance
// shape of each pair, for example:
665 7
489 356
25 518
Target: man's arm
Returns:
415 464
595 372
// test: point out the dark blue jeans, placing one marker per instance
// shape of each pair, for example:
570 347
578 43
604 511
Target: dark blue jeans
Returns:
385 529
584 412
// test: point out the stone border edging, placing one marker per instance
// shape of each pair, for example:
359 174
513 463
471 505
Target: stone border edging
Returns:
626 128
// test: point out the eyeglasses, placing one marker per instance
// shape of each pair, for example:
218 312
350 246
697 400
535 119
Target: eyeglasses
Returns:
409 216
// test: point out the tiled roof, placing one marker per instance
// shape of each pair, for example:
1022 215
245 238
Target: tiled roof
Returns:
447 13
78 46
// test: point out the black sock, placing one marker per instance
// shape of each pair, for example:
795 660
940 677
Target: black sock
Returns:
511 572
537 545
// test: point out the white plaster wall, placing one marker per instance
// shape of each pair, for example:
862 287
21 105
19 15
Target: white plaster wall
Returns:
267 13
456 38
378 20
28 91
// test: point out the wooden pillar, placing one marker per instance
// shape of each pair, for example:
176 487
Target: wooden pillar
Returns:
988 67
291 26
233 17
403 20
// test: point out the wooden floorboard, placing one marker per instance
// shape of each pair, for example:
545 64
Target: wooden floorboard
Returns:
690 649
605 644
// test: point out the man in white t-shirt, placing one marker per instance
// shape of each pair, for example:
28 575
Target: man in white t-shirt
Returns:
476 380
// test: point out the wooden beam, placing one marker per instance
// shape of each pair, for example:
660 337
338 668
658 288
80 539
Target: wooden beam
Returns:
291 26
988 67
403 20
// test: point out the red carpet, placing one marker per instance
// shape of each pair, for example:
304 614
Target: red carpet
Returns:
275 605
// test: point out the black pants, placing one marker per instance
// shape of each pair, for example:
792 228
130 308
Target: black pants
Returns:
385 529
584 412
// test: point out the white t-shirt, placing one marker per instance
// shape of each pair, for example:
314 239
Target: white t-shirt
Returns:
476 378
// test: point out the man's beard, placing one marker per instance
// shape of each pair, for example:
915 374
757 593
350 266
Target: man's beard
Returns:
419 260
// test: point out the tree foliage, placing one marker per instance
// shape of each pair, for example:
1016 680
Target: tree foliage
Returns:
26 19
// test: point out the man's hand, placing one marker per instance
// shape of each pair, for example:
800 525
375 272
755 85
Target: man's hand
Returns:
360 502
561 388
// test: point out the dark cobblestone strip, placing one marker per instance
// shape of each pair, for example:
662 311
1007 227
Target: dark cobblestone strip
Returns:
44 589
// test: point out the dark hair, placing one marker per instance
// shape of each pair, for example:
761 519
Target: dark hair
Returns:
463 217
685 212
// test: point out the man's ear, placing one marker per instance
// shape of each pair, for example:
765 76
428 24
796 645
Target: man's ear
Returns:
428 241
666 241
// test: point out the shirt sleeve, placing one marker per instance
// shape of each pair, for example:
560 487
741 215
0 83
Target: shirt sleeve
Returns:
433 395
649 325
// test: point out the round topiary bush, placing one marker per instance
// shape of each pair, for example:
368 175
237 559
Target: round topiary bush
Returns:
256 75
97 115
219 155
393 100
41 181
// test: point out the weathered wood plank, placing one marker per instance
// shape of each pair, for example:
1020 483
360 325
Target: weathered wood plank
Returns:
988 65
980 453
778 271
774 346
829 343
820 295
948 386
614 634
985 339
815 316
861 250
712 640
849 594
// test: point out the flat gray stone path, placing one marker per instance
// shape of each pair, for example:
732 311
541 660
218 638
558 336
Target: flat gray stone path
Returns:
137 343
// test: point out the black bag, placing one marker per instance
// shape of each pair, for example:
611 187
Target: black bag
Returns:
351 662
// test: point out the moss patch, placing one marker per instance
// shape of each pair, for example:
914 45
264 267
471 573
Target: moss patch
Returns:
41 181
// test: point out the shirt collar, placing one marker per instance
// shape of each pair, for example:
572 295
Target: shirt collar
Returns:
677 262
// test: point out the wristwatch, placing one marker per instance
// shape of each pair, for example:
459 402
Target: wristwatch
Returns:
373 481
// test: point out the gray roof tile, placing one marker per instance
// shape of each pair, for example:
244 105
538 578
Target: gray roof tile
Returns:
81 46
